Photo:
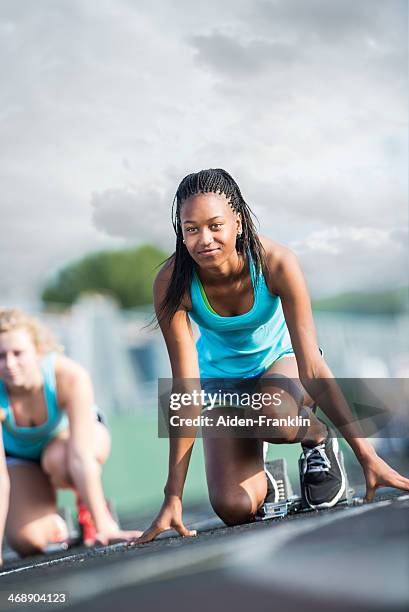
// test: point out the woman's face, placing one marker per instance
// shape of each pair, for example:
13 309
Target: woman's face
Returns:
19 358
209 227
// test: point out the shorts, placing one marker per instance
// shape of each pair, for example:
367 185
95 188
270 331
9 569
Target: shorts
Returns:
220 387
12 459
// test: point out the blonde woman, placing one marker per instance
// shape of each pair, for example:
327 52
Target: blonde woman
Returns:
52 437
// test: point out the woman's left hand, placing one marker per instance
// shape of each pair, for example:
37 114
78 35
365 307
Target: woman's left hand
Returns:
115 534
379 474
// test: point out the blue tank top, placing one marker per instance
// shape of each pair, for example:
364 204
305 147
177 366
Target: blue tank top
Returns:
240 346
28 442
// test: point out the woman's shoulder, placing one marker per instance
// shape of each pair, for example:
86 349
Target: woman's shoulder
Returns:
162 280
67 367
276 254
278 258
68 375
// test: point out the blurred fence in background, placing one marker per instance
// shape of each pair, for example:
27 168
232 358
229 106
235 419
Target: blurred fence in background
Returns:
125 356
365 346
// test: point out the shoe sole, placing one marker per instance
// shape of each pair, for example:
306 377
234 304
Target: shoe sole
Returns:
342 489
277 474
274 484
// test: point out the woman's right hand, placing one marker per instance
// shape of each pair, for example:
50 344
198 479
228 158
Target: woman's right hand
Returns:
169 517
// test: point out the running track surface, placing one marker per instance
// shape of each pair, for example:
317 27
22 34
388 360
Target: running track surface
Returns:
354 558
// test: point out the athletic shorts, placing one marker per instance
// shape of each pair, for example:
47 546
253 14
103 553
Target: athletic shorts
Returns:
16 460
243 387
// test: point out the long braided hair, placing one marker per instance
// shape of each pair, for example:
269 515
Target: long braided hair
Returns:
214 180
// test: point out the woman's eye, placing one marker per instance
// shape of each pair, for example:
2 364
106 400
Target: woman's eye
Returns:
190 230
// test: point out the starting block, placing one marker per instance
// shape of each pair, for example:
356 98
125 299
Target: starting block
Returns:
74 534
281 500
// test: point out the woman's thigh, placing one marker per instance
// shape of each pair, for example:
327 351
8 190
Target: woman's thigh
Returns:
282 378
54 456
32 500
235 476
234 465
288 368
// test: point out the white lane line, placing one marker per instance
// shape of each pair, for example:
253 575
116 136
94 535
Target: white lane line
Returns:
97 581
33 565
65 559
212 545
202 526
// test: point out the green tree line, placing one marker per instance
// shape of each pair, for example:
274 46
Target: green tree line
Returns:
391 301
127 275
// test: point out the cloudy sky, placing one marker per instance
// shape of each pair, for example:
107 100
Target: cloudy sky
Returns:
106 105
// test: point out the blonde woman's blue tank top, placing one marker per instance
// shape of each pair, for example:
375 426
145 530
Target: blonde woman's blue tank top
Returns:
28 442
240 346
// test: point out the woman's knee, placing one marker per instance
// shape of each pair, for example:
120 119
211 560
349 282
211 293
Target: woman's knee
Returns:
27 540
54 463
102 442
235 508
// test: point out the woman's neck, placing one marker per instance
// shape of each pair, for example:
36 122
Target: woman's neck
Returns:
232 270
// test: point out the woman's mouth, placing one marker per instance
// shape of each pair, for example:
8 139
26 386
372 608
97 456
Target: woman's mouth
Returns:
12 375
208 252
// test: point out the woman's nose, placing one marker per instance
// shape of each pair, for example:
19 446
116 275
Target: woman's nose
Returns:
10 360
206 237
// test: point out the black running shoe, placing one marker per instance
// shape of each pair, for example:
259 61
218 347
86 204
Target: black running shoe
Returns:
322 474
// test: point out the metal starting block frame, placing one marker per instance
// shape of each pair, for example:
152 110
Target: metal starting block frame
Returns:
273 510
295 505
285 502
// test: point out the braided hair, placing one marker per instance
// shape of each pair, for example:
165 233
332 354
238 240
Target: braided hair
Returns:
214 180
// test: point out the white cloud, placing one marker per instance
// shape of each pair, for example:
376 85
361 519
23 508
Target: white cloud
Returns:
107 105
353 258
137 216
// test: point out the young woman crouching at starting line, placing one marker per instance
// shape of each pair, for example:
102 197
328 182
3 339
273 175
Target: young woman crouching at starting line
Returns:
52 436
249 298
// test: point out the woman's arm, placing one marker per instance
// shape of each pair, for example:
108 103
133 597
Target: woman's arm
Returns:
178 335
76 395
316 376
4 492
